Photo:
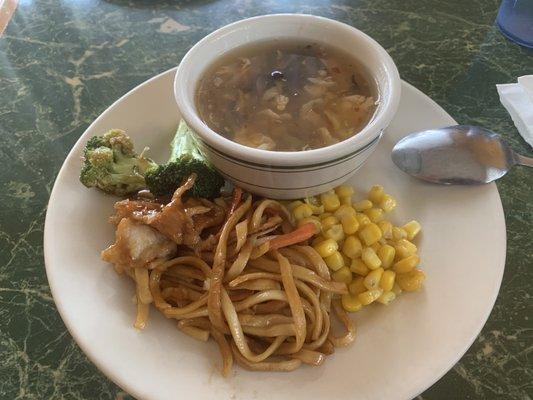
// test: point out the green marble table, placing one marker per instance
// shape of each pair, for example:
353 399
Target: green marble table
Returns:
63 62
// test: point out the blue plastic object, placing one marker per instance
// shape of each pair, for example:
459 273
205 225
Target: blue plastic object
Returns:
515 20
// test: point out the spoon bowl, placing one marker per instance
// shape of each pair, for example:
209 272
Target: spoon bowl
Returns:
459 154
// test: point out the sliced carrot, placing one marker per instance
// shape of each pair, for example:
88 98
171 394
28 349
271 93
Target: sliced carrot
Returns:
304 232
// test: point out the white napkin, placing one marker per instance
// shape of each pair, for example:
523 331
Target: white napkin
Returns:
517 98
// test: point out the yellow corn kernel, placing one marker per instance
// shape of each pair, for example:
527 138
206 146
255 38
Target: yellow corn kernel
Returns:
373 278
343 211
363 220
343 275
350 225
328 222
312 219
375 214
325 215
386 255
344 190
376 193
302 211
317 240
375 246
370 234
406 265
411 281
369 296
386 298
409 246
398 233
335 232
387 203
352 247
412 228
347 260
404 249
387 280
330 201
350 303
334 261
359 267
346 200
362 205
386 229
401 252
326 247
370 258
396 289
293 204
357 286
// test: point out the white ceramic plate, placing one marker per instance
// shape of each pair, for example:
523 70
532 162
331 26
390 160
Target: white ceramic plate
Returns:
400 350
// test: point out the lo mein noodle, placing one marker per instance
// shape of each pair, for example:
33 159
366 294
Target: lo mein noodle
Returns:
234 270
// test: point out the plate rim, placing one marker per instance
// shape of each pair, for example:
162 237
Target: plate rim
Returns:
124 385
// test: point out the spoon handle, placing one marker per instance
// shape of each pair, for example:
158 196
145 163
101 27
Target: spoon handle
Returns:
523 160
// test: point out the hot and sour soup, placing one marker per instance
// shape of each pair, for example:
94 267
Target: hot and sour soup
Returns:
286 96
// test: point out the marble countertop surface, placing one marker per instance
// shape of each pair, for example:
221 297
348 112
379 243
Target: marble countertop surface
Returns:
63 62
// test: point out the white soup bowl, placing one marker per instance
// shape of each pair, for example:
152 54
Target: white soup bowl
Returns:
295 174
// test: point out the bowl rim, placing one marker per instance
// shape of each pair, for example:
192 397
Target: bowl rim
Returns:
323 155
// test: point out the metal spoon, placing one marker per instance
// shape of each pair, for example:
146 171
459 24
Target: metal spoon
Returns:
459 154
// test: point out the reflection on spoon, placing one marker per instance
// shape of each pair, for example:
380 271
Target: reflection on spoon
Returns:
459 154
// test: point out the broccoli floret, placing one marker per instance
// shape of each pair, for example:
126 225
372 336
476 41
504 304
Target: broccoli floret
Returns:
185 159
94 143
111 164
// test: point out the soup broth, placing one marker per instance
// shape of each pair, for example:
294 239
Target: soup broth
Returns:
286 96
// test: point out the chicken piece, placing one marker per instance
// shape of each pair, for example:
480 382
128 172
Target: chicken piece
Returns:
134 208
182 222
137 244
173 220
212 217
207 244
